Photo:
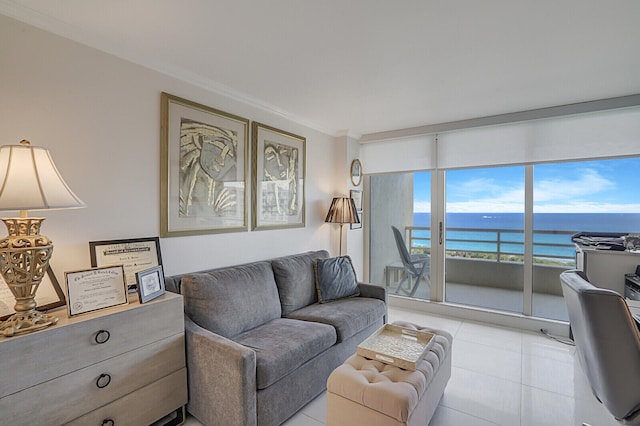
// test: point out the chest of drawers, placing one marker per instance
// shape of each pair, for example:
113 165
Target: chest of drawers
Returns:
119 366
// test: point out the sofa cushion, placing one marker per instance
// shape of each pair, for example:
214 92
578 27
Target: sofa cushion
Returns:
348 316
282 345
295 280
335 279
229 301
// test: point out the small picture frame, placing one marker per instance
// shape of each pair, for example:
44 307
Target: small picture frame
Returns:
357 225
356 194
93 289
150 284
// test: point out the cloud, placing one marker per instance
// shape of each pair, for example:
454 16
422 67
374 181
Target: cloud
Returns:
483 206
588 207
422 206
585 184
563 194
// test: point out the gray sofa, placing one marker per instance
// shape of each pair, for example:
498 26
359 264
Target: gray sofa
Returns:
259 346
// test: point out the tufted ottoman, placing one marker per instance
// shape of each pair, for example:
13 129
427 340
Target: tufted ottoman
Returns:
366 392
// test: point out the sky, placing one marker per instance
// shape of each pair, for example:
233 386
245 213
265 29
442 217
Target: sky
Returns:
603 186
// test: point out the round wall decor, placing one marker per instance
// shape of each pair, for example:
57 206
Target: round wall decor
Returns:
356 172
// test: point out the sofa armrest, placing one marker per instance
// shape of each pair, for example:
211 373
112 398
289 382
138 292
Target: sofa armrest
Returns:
375 292
222 378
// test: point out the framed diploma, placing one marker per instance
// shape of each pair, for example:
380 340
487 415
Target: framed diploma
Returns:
134 254
97 288
49 296
150 284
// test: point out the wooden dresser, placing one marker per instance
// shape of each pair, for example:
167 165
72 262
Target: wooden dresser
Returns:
119 366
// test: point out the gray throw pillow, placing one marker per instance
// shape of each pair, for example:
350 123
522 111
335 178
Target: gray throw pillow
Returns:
335 279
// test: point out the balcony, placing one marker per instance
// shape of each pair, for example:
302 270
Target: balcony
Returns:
484 268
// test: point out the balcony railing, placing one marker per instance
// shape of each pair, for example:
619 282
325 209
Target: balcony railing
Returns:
501 244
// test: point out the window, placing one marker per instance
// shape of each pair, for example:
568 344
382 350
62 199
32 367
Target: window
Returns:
486 235
505 196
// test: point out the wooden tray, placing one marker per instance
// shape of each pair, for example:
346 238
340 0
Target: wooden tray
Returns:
397 346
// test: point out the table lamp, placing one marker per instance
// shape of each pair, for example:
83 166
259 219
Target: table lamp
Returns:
342 210
29 180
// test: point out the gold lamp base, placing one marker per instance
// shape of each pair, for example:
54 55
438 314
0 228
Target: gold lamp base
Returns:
26 322
24 259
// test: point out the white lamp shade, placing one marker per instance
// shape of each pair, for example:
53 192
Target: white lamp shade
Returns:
29 180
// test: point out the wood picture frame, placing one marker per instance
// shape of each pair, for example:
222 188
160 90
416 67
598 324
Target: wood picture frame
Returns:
203 169
135 254
49 296
278 184
150 284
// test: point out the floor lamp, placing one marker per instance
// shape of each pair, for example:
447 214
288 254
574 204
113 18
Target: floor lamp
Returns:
29 180
342 210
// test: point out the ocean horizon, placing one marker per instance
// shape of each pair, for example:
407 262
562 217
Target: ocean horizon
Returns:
471 238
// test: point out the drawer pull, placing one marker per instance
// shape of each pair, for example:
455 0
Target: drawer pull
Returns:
102 336
103 381
108 422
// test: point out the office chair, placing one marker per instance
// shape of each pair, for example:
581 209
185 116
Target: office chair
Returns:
415 266
607 344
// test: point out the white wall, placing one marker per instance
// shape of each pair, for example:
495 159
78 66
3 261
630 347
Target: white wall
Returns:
100 118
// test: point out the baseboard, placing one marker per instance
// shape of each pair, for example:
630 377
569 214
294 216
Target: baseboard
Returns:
504 319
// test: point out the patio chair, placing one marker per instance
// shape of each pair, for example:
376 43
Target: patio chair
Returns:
607 344
416 266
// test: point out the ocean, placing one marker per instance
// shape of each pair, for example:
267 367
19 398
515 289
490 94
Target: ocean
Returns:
479 234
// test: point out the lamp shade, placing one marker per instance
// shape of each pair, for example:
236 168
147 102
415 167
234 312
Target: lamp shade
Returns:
29 180
342 210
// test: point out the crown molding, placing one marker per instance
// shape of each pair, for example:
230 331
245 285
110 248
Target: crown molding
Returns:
347 133
50 24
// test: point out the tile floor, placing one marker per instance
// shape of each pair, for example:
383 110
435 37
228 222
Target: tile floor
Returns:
500 376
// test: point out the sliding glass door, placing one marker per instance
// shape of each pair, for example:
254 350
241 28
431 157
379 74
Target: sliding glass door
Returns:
506 230
503 197
484 237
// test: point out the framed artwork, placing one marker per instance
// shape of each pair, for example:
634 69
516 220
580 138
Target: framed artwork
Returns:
278 169
48 296
357 225
203 174
150 283
356 172
135 255
93 289
357 198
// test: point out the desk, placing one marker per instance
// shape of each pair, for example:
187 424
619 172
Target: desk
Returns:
634 307
606 268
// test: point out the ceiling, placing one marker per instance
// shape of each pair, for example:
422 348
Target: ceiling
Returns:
366 66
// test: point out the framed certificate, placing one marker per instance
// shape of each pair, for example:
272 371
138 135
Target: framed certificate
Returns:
135 255
49 296
94 289
150 284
